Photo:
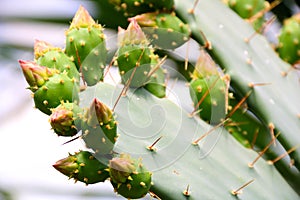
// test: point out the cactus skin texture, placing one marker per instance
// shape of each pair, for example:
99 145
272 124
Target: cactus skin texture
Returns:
129 177
85 43
65 119
83 167
289 40
54 57
248 8
164 30
133 7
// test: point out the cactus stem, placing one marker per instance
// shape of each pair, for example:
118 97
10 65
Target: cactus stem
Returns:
271 162
204 96
260 154
239 104
208 132
252 85
187 191
254 138
239 190
151 147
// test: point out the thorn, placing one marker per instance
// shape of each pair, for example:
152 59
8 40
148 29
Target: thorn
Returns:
172 86
251 165
186 60
208 132
239 104
204 96
284 154
272 127
109 66
187 192
192 10
157 66
254 138
150 148
72 140
239 190
127 84
252 85
264 26
152 194
261 13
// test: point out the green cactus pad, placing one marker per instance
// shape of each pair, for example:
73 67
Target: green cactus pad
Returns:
84 167
213 90
212 169
58 88
164 30
248 8
134 7
289 40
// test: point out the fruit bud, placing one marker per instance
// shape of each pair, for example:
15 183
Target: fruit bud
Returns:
35 74
121 168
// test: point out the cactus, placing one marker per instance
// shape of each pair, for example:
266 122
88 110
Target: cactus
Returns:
248 8
85 44
149 145
65 119
84 167
165 30
289 40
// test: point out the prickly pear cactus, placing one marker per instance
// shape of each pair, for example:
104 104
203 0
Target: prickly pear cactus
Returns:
141 140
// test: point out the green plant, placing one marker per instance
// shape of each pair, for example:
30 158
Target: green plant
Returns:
145 143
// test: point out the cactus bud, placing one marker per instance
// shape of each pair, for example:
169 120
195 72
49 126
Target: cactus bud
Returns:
132 35
121 168
129 177
35 75
84 167
82 18
165 30
85 44
64 119
100 112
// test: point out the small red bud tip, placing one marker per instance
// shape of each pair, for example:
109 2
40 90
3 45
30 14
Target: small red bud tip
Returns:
35 74
103 113
67 165
132 35
41 46
82 18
